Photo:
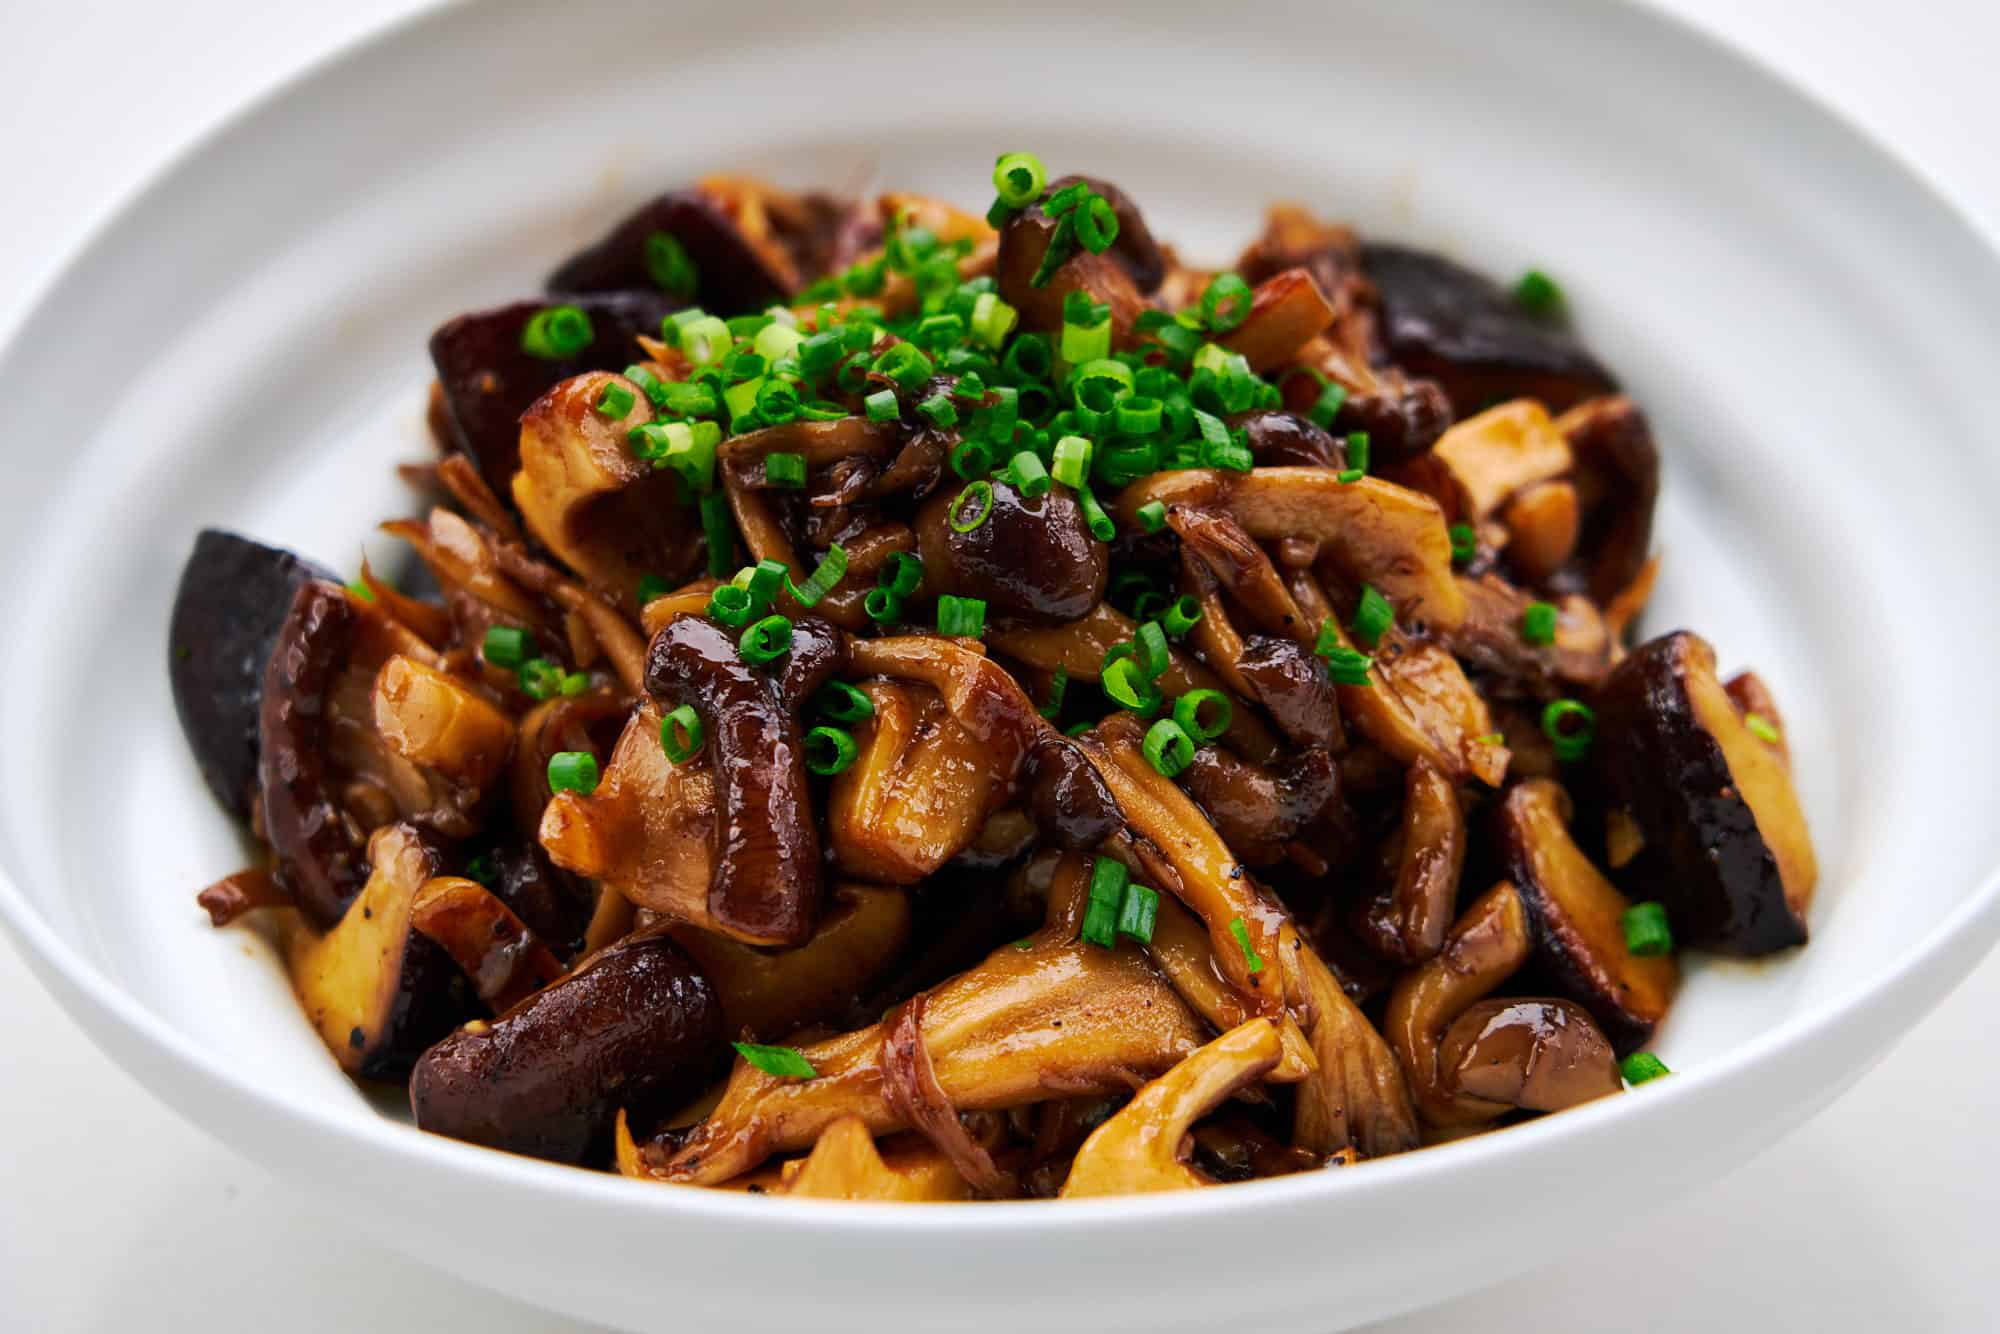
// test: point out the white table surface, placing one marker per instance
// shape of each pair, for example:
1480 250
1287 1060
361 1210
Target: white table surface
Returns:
116 1216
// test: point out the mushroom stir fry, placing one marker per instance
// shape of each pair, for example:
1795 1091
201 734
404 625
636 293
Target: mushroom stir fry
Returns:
908 705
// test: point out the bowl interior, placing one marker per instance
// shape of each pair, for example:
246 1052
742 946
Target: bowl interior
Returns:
1809 336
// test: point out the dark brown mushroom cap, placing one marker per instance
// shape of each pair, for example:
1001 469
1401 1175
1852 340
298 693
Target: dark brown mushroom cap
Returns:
1278 439
637 1027
234 596
1540 1055
1028 557
1618 484
1135 249
766 887
1441 320
1070 804
489 380
1293 687
731 277
1259 810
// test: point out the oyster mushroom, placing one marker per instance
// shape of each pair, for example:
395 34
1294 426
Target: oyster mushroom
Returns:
1406 920
1538 1055
847 1164
1617 483
1028 557
1140 1149
1287 311
504 960
1357 1098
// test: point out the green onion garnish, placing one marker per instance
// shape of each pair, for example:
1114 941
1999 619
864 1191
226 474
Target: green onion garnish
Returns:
483 869
1072 461
882 605
1108 882
573 684
1128 685
1136 415
1058 685
1251 961
764 579
1188 708
1464 543
1150 645
1538 624
959 616
615 401
1641 1066
1019 179
507 646
844 703
1347 667
829 750
778 1062
1153 516
785 470
832 568
1646 933
1761 728
1537 293
939 411
992 319
972 460
1357 451
718 530
1372 616
1570 727
766 641
1327 406
733 606
1168 747
573 771
881 406
680 734
652 586
1028 475
556 332
901 573
974 503
540 678
1181 615
1226 303
669 266
1138 913
1094 518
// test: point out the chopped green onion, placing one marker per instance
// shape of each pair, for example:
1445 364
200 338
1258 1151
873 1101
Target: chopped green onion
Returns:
1072 461
882 406
1537 293
1136 415
1096 223
1372 616
1028 475
1538 624
939 411
787 471
1761 728
718 530
1641 1066
573 771
652 586
764 579
1094 518
1128 685
669 266
1646 933
1327 406
1153 516
906 364
832 568
733 606
705 341
767 640
1019 178
1345 665
1349 476
483 869
1251 961
1570 726
844 703
1226 303
1028 358
361 590
540 678
1187 712
1058 686
777 400
1151 649
901 573
1168 747
1138 914
1181 615
1464 543
680 734
615 401
654 388
573 684
687 400
829 750
1098 385
1357 450
1229 455
1109 881
972 460
882 605
507 645
557 332
965 617
979 496
1149 605
1082 342
778 1062
778 340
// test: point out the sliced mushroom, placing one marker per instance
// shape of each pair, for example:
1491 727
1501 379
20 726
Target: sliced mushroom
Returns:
1140 1149
1444 321
1577 916
1258 810
489 379
1715 804
233 598
767 994
609 515
731 275
1071 807
1024 244
1280 439
846 1164
1544 522
1618 483
1407 920
1487 945
1294 688
1069 1018
1025 557
1490 641
1482 461
1538 1055
635 1027
437 721
499 955
377 992
1358 1097
1287 310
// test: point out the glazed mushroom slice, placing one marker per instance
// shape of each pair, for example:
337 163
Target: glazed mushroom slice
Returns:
1407 919
1067 801
377 992
766 994
610 516
1721 821
1441 320
1489 641
1073 1017
1025 557
1578 917
1258 811
233 597
1482 461
488 379
1358 1098
1617 483
847 1164
1537 1055
503 959
1140 1149
1280 439
1287 311
730 275
636 1027
1135 249
439 722
1025 239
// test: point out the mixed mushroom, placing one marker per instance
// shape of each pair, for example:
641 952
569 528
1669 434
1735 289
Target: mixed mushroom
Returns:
899 704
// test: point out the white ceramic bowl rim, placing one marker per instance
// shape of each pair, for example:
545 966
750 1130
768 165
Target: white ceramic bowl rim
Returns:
94 998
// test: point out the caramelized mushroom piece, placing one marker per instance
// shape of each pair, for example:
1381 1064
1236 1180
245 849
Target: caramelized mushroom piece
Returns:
1135 249
1444 321
766 884
233 597
1072 1017
1280 439
1358 1097
1026 557
1287 310
1258 810
436 720
1072 808
489 379
1489 640
1024 243
1538 1055
847 1164
1577 916
1477 464
1140 1149
1294 688
377 992
635 1027
1618 483
496 951
607 514
731 275
1727 845
1407 920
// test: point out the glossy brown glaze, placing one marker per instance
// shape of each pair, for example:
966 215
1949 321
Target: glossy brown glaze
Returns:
1071 806
1618 484
766 885
1407 920
1538 1055
499 955
1024 243
637 1027
1278 439
1259 809
321 862
1135 249
731 275
1294 689
1033 558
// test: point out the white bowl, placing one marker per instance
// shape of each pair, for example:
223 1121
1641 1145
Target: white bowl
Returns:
1810 328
